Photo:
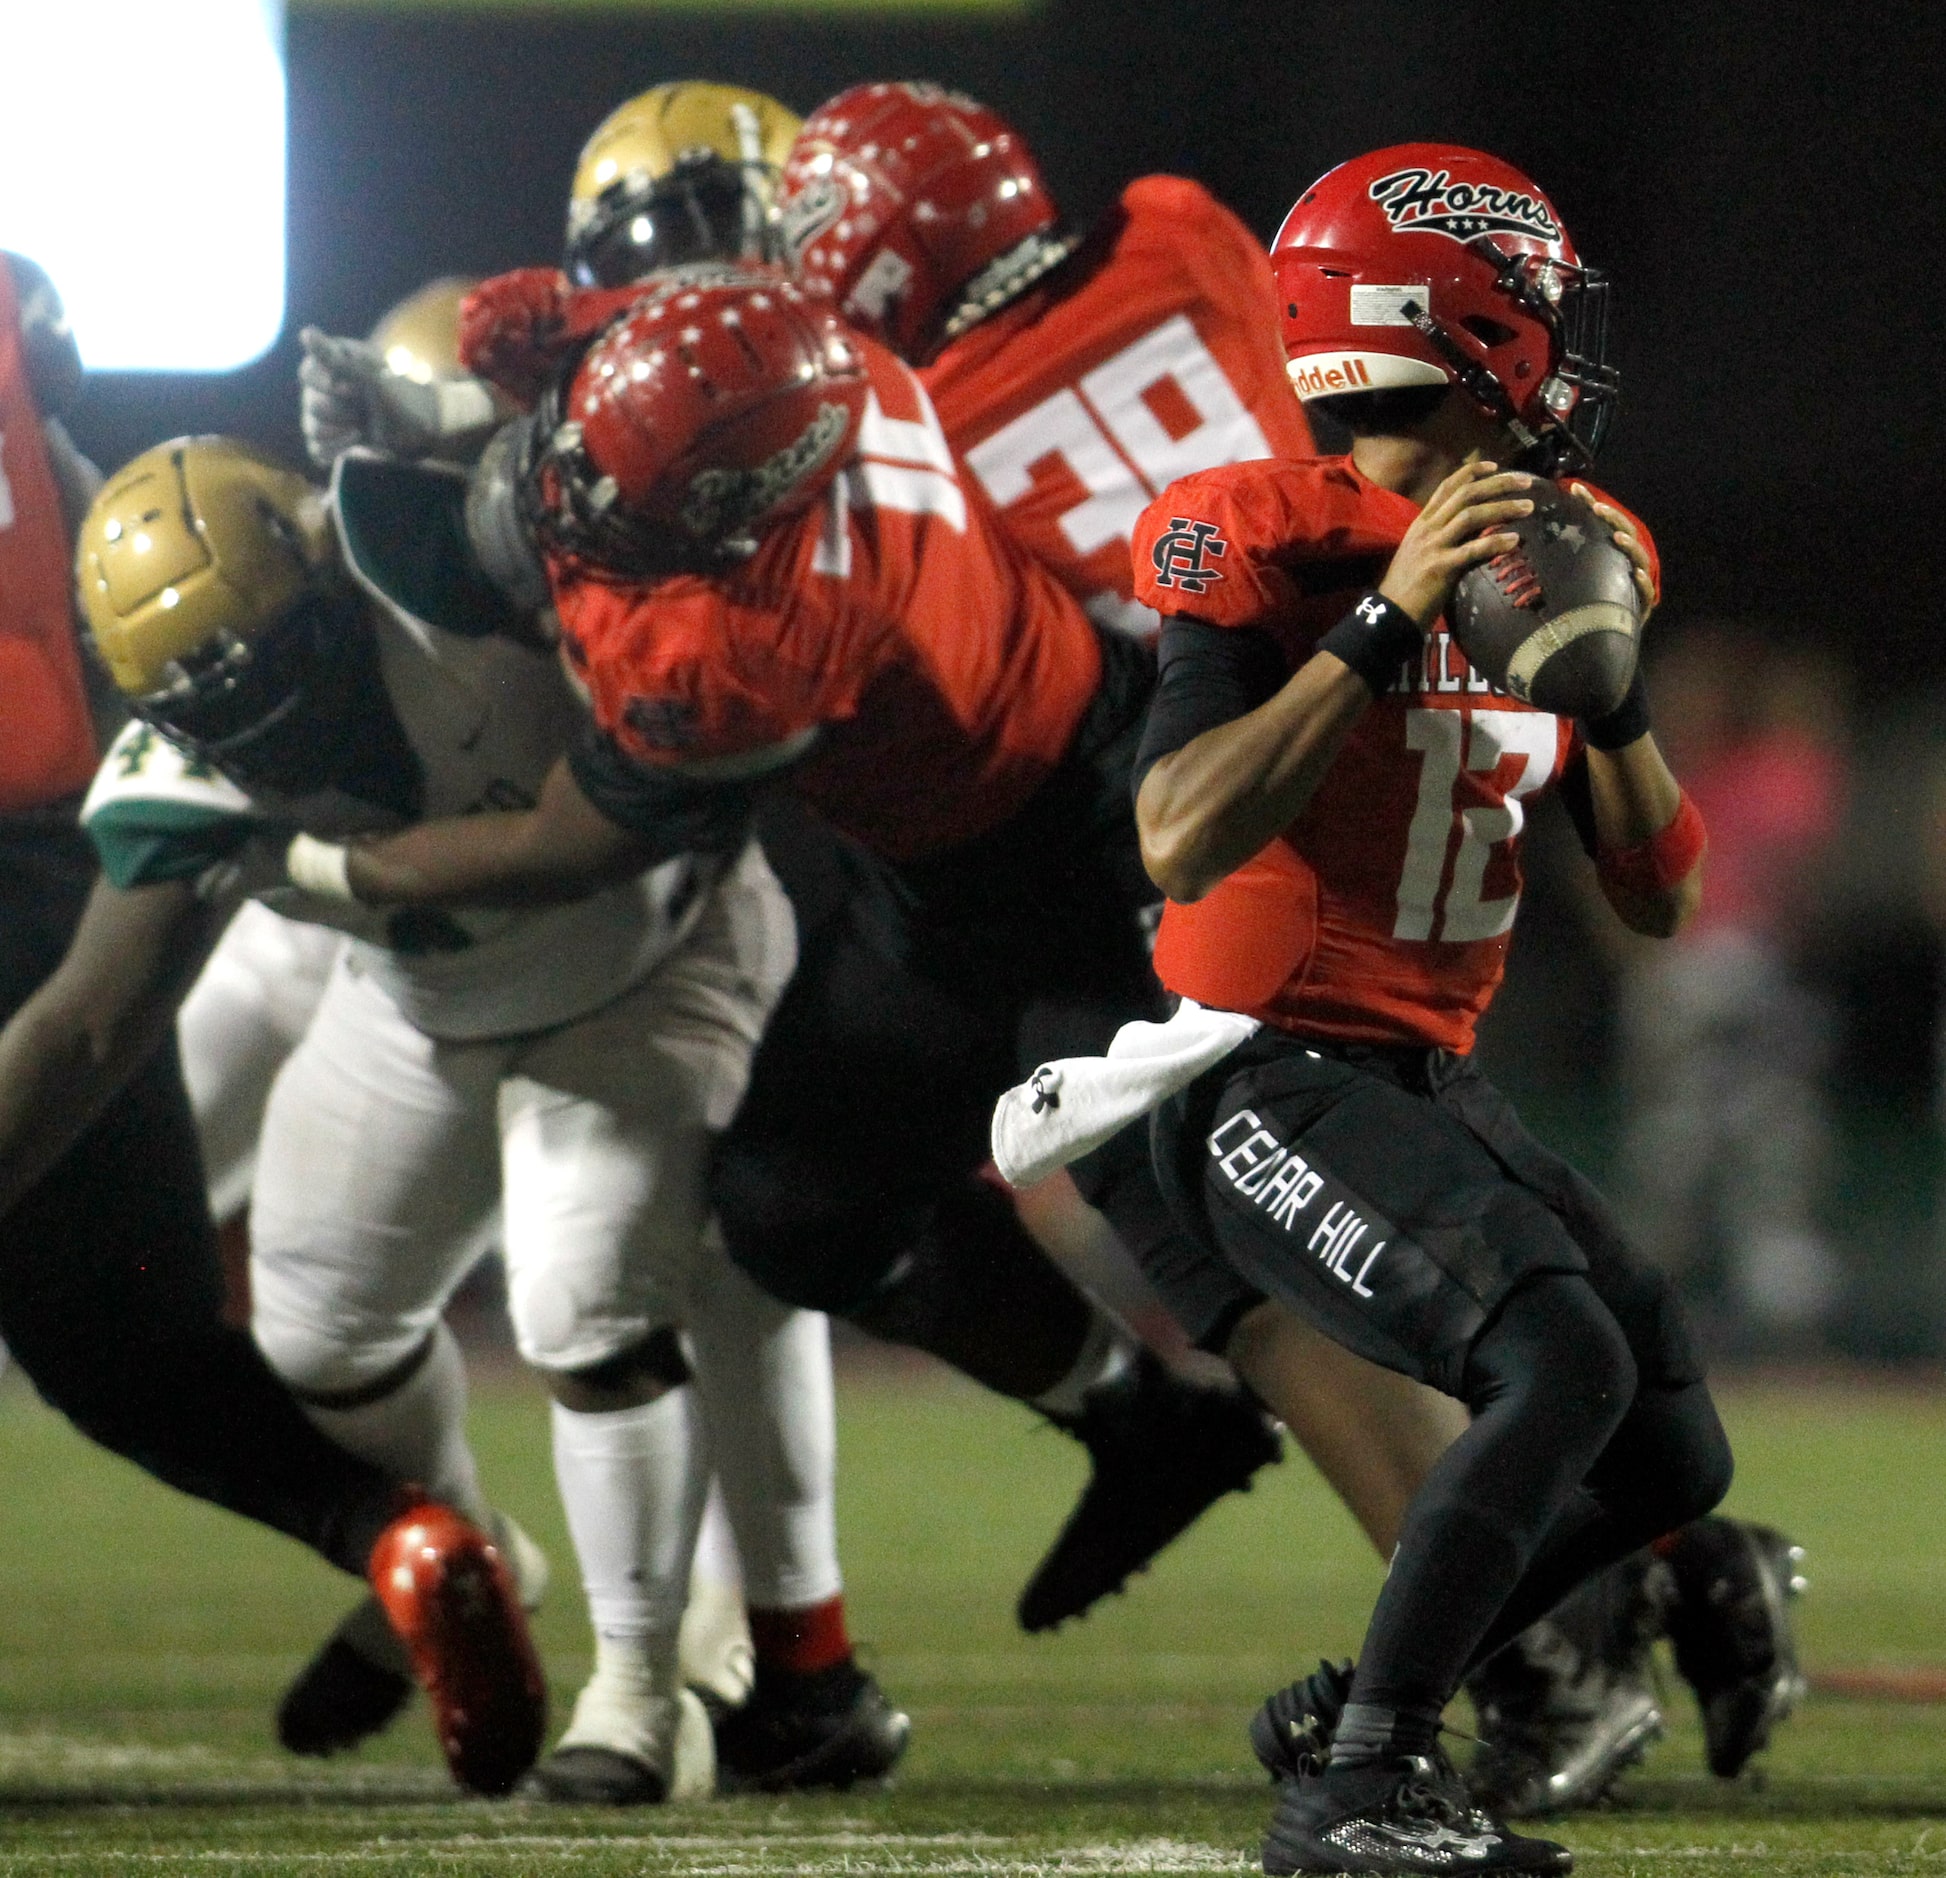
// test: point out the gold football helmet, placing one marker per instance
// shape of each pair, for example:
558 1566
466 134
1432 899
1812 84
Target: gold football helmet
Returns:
685 172
419 338
208 579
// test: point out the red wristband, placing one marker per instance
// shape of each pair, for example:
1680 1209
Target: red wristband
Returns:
1667 858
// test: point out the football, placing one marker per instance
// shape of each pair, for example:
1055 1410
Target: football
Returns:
1556 621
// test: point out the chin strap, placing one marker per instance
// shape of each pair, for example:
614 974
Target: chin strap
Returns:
1556 449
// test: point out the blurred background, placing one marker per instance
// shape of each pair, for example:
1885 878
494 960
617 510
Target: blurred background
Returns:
1763 182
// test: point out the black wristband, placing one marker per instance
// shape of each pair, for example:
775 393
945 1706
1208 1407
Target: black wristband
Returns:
1627 722
1375 638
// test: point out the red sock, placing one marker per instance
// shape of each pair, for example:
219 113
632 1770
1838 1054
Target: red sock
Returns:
801 1641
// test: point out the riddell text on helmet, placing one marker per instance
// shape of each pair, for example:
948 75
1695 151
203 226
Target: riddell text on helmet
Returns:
1311 380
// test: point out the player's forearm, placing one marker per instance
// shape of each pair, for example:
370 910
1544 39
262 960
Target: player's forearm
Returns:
1636 801
1207 808
560 850
56 1076
488 860
72 1047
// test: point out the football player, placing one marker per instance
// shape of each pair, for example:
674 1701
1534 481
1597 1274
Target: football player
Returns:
248 1011
1077 375
685 171
328 667
1332 798
843 626
110 1293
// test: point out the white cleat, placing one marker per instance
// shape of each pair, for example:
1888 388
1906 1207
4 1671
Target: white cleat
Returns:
626 1747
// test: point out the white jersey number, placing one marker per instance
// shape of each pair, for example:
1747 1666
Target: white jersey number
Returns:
902 463
1484 738
1110 435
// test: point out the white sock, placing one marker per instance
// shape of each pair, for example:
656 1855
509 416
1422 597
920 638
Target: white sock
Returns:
716 1546
632 1483
1105 1356
764 1373
418 1431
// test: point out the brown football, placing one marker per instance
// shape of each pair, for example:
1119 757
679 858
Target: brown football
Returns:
1555 622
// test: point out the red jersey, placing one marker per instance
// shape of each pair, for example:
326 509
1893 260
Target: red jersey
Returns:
934 675
1151 355
1382 913
47 739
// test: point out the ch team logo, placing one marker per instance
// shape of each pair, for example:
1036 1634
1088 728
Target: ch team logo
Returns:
1418 201
1182 557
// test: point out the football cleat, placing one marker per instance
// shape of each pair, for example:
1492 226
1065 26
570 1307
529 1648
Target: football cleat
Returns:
627 1748
1404 1815
1291 1734
360 1680
353 1688
1731 1628
1163 1451
448 1593
831 1728
1571 1702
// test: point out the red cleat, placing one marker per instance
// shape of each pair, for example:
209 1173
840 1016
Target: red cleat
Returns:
448 1593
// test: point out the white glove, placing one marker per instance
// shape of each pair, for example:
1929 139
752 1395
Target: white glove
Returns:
351 396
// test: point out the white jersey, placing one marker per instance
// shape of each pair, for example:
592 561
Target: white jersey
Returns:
482 721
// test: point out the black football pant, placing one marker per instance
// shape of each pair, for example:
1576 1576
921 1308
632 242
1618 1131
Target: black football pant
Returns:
849 1181
111 1291
1571 1463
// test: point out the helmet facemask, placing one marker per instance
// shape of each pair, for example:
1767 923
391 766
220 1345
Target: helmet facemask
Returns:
1577 398
271 712
705 209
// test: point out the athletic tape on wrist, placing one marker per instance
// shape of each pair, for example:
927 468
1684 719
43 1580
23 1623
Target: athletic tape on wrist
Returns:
1665 860
1375 638
1627 723
320 867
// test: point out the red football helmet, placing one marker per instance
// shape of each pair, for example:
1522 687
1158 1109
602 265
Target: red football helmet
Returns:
720 401
1431 264
917 210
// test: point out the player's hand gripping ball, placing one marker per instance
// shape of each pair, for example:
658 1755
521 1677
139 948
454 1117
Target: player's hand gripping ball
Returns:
1556 621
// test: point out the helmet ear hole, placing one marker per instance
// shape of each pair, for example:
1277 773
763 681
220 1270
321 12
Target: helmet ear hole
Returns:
1489 332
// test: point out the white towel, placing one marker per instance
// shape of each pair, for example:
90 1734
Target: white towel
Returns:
1069 1107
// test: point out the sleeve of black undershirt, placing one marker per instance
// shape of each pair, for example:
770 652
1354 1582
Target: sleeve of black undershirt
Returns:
1207 675
675 814
1578 798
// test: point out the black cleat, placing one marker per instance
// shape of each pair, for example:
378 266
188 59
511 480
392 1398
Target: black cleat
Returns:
1164 1450
340 1698
1731 1627
1409 1815
1571 1702
1291 1734
832 1728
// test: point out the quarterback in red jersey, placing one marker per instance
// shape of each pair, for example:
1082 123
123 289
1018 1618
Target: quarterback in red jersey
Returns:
1333 799
1077 375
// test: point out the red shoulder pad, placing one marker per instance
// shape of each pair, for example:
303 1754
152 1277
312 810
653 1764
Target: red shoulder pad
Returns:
1220 545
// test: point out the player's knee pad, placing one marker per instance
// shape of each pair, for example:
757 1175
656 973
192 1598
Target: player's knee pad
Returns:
569 1322
656 1359
321 1362
1555 1341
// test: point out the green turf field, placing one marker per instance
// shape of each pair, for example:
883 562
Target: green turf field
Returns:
143 1640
